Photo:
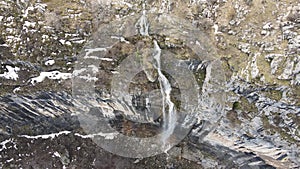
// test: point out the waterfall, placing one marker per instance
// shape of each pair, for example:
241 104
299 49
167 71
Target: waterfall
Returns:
169 117
169 112
142 25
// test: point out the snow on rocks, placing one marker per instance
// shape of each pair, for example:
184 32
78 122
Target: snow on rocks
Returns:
46 136
16 89
56 154
51 75
49 62
108 136
11 73
3 144
53 135
64 42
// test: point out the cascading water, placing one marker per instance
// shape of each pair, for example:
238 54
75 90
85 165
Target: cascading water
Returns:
169 112
133 117
143 24
169 116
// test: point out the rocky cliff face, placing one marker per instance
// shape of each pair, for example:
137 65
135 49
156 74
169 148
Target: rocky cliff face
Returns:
244 56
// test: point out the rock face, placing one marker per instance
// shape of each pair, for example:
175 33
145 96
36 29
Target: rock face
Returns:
243 55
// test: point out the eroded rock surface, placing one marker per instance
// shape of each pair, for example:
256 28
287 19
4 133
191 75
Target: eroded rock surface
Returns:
256 42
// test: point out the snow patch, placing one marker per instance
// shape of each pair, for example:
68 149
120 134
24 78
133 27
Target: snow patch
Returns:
56 154
3 144
106 59
46 136
51 75
10 160
79 41
108 136
64 42
16 89
49 62
11 74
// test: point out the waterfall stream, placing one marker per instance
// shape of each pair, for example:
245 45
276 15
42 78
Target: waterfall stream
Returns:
169 112
169 116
